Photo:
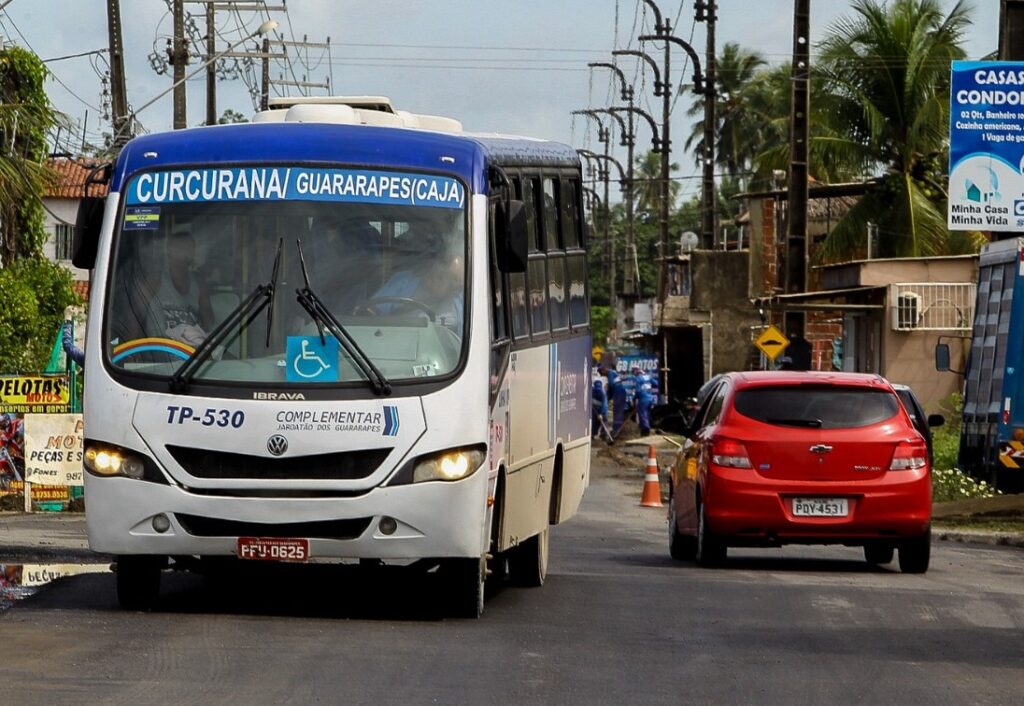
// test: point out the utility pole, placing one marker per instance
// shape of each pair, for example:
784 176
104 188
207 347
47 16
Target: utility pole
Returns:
1011 30
707 11
118 94
211 70
265 78
178 56
795 265
663 33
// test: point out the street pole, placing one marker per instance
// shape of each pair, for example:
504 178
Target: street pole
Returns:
708 9
211 70
118 94
604 136
179 58
796 232
265 79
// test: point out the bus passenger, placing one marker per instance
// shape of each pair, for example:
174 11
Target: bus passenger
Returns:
183 304
436 282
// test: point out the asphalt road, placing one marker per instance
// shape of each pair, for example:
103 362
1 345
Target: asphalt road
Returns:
617 622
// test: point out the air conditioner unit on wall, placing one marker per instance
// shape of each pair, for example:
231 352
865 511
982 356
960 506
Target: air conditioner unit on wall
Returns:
906 311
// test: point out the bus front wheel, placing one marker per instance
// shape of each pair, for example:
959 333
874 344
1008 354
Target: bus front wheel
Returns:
464 586
138 581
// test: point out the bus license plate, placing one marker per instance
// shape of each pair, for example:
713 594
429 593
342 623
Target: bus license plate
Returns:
273 549
820 507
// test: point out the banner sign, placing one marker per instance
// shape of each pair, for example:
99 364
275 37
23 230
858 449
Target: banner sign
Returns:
284 184
34 393
53 450
986 146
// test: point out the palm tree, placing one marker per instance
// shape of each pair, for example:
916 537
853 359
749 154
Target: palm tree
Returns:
740 124
647 185
886 70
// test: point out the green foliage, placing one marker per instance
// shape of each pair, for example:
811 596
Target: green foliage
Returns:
25 119
953 484
35 292
948 482
946 439
601 322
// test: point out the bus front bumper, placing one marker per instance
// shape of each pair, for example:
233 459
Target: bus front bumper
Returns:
408 522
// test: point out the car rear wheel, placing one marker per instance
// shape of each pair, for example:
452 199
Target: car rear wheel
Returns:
711 550
915 554
138 581
878 553
680 546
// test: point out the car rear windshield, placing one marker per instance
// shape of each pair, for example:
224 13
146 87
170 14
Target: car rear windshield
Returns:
820 407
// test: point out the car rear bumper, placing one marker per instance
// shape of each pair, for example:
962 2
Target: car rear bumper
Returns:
747 508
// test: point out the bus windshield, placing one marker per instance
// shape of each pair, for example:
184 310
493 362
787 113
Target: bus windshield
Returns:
387 261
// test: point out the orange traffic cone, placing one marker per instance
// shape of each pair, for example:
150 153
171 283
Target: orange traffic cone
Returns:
652 489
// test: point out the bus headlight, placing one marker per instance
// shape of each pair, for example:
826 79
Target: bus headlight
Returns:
449 465
109 460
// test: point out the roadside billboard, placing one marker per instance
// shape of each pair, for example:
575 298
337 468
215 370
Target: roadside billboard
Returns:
986 146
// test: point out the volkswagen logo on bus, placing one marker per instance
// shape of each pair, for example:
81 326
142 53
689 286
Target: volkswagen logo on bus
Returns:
277 445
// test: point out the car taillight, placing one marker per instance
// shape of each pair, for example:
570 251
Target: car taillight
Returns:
730 453
909 456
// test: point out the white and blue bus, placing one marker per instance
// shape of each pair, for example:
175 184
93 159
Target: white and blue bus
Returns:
337 333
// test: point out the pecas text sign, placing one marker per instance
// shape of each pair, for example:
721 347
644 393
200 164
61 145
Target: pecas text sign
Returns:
53 449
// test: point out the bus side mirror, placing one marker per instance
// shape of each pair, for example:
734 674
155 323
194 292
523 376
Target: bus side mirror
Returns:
942 357
513 237
88 224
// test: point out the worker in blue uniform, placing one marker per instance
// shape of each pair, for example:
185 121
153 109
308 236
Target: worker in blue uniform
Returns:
646 394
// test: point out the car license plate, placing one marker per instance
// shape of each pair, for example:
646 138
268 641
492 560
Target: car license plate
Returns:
273 549
820 507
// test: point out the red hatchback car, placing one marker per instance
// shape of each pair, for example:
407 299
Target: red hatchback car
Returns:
781 457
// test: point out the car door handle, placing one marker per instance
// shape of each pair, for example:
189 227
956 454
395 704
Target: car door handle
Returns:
820 449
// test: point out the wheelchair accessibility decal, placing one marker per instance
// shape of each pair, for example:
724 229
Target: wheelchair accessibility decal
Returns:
310 360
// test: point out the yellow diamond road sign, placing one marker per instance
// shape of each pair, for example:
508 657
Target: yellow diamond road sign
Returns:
772 342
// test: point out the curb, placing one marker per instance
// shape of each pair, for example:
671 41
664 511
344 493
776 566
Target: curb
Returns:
54 555
1000 539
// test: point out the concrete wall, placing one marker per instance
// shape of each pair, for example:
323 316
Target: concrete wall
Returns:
720 286
908 357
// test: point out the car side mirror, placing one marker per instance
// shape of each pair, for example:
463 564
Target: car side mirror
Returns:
942 357
936 420
88 224
512 238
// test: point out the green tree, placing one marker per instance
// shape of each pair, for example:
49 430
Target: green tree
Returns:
740 104
886 71
647 186
25 119
34 290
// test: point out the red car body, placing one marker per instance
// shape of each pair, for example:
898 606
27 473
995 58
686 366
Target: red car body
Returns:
842 465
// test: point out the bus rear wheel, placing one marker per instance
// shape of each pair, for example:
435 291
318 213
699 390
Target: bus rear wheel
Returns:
464 581
138 581
528 563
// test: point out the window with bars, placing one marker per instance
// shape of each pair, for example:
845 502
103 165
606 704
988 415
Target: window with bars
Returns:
930 306
64 238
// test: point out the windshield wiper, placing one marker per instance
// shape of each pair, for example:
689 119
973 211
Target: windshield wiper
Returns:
813 423
323 318
261 297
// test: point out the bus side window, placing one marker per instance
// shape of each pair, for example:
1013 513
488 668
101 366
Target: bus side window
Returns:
576 264
498 307
556 291
530 195
538 296
551 199
570 220
517 302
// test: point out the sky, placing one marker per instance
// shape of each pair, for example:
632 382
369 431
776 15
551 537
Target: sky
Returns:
511 67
